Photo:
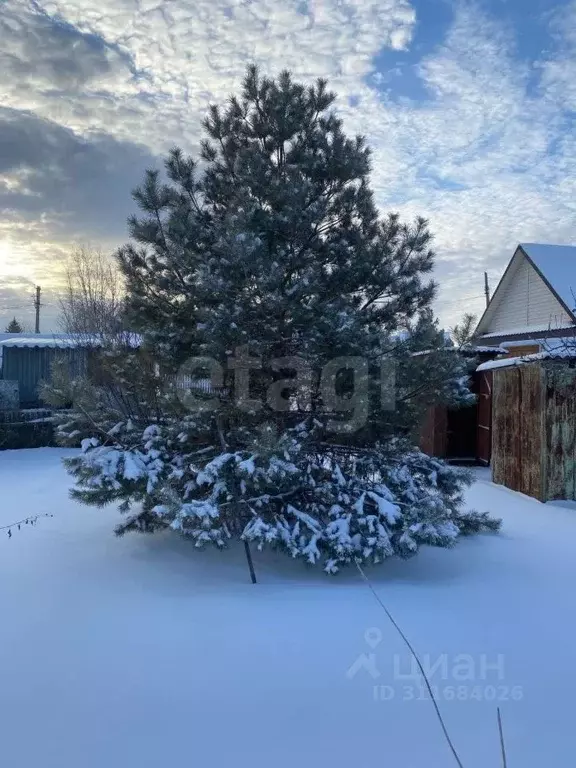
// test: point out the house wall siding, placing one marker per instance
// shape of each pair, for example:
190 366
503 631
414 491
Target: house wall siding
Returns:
526 301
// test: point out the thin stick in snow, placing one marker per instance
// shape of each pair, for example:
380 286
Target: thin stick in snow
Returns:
501 732
250 563
235 506
418 662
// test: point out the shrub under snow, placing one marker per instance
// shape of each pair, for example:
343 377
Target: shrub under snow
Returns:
317 506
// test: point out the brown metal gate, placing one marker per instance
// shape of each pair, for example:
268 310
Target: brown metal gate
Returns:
484 426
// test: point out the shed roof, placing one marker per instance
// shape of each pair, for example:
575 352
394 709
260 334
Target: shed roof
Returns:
550 354
10 336
53 342
61 340
31 340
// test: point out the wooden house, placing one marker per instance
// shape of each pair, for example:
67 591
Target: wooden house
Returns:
531 310
534 301
530 391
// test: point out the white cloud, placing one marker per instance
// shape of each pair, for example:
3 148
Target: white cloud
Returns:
486 160
190 52
485 155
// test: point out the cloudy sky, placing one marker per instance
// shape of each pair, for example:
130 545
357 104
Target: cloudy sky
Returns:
468 105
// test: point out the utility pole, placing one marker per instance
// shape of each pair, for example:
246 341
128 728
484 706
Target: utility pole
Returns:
486 288
37 306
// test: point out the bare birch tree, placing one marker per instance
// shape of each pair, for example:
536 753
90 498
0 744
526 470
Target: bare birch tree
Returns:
93 300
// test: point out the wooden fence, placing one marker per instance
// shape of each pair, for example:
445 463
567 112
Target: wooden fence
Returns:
534 428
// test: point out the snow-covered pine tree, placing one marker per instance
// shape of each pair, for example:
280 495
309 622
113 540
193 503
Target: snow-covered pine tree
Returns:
269 254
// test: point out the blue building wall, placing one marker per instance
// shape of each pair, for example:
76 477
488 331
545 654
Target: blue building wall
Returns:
29 366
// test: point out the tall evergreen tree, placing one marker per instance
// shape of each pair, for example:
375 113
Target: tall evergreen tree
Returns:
266 257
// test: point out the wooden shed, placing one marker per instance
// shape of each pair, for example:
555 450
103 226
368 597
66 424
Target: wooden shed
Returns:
534 425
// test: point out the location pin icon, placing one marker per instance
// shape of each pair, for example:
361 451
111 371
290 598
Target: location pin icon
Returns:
373 637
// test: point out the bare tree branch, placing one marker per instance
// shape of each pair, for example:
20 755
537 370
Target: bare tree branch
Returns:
93 301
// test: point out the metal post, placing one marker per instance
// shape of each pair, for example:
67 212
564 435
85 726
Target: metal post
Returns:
37 306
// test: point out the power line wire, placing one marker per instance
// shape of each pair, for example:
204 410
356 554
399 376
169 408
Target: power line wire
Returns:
460 301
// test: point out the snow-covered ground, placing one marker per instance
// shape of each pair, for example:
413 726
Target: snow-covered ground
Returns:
142 651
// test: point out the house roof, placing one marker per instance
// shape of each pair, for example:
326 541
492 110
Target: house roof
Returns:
527 330
557 265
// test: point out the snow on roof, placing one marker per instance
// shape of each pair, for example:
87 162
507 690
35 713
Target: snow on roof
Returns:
506 363
482 348
475 349
506 345
465 351
546 343
59 340
527 329
557 263
551 354
24 340
24 335
53 342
